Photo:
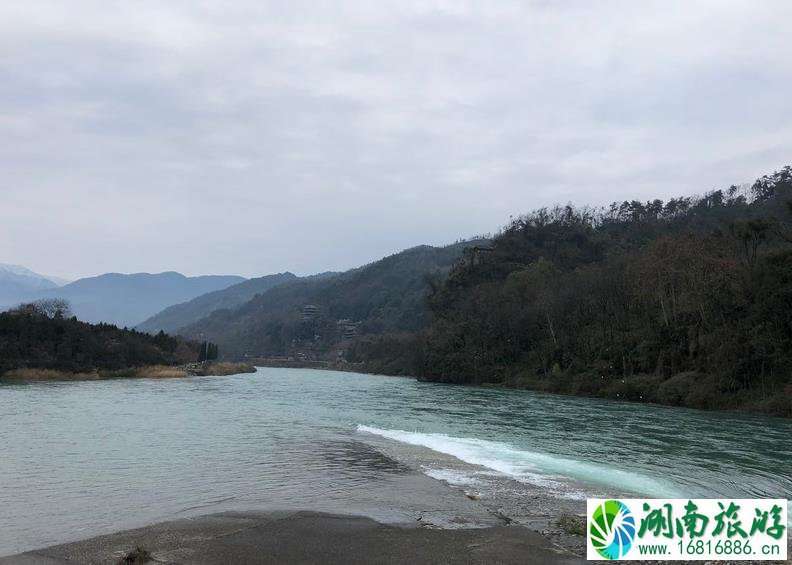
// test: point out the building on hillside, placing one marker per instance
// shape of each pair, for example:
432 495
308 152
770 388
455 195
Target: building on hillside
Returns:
309 312
347 329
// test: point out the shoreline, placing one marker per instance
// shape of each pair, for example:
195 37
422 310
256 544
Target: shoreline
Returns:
221 368
302 536
215 369
531 386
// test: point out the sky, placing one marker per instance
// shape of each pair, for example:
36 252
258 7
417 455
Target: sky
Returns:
251 137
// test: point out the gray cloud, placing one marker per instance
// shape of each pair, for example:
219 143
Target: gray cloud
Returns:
253 137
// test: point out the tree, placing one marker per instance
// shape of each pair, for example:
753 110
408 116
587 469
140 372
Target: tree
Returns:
207 352
41 336
751 234
48 307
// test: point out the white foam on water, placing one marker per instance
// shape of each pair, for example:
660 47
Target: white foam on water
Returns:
530 466
453 477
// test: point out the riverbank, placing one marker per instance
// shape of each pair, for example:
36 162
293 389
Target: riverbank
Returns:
302 537
145 372
295 363
690 389
686 390
218 369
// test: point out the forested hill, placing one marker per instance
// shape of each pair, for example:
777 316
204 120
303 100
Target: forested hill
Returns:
44 335
685 302
178 316
387 296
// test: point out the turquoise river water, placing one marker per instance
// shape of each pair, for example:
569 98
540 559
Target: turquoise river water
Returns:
80 459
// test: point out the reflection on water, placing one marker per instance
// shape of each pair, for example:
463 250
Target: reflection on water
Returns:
84 458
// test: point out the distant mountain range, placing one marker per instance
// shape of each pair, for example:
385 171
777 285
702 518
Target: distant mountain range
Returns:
114 298
263 315
17 283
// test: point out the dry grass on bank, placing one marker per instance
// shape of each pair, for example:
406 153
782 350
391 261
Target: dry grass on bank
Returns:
160 372
149 372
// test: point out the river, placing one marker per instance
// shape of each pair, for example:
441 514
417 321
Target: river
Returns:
85 458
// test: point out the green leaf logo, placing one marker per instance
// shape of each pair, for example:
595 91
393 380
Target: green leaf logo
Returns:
612 529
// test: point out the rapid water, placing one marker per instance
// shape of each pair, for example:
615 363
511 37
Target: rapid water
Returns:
83 458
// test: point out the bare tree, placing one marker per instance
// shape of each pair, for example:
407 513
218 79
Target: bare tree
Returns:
49 307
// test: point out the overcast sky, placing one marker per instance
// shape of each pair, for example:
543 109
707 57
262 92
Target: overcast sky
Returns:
249 137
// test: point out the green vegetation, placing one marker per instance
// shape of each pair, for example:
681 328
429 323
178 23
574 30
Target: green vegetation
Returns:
572 525
687 302
42 339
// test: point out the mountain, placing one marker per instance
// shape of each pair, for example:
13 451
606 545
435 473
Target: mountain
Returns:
313 314
19 270
175 317
685 302
127 300
17 283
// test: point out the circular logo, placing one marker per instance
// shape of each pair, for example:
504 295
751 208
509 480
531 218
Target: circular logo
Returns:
612 529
